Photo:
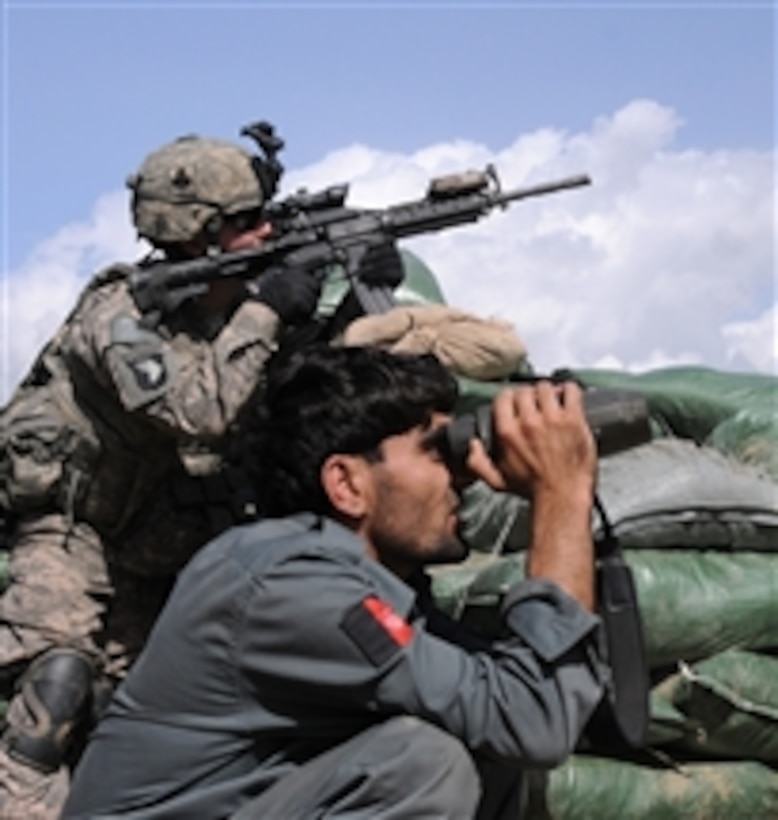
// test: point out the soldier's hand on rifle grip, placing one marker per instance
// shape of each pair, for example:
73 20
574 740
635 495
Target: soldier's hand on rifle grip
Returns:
381 266
293 294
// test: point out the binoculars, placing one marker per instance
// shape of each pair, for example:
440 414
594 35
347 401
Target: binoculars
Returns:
619 419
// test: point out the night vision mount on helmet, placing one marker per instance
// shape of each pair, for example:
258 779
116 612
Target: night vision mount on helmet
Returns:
193 183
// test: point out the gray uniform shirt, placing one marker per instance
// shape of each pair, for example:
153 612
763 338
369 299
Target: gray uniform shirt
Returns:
282 639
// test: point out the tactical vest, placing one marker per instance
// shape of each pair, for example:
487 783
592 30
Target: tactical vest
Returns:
68 446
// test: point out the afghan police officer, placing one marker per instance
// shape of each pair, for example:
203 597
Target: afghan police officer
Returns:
300 667
112 454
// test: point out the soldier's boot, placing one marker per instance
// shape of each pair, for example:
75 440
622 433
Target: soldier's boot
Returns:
53 702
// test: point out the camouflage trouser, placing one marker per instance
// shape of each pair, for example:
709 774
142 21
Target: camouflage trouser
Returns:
27 794
63 592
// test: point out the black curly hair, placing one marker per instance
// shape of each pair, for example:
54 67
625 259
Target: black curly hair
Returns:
323 400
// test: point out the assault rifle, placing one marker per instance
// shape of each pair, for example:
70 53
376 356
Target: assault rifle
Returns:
318 230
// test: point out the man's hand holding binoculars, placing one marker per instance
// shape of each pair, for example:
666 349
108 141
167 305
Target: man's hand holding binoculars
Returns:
541 440
544 448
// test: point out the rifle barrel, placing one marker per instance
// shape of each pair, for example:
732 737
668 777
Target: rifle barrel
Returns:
504 197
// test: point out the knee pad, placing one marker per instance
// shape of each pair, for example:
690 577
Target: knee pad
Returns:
56 693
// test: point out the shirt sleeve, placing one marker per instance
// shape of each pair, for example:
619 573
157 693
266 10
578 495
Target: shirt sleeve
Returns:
349 633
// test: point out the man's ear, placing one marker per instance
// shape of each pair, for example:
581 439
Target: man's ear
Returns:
347 482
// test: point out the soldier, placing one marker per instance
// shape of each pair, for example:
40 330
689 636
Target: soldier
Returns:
112 456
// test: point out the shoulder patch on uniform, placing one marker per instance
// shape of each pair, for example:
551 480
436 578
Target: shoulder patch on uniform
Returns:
377 629
141 363
150 372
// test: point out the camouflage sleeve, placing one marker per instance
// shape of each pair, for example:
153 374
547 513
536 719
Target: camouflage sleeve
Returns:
192 387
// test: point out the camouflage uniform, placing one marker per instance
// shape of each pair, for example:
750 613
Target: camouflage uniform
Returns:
112 465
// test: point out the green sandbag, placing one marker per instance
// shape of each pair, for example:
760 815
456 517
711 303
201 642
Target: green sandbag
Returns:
693 401
693 603
667 724
729 705
672 492
597 788
450 582
697 603
749 440
734 412
491 521
473 590
419 286
667 493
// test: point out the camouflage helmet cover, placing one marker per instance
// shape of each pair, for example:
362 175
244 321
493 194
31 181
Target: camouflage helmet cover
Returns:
182 185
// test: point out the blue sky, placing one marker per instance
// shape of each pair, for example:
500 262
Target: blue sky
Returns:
661 99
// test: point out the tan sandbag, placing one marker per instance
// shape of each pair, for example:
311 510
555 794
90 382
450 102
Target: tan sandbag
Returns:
469 345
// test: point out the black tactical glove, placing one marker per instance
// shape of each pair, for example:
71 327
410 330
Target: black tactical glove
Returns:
293 294
382 265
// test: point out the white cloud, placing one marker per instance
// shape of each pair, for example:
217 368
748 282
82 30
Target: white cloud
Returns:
38 296
667 258
755 341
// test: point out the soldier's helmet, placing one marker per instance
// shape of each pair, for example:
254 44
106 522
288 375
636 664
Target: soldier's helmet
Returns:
190 184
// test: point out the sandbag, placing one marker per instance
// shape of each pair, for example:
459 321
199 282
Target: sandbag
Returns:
451 582
493 522
420 286
598 788
693 603
728 704
693 400
672 492
468 345
748 440
697 603
668 725
736 413
667 493
473 590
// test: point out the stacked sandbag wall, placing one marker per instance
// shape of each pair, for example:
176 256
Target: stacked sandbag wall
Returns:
696 512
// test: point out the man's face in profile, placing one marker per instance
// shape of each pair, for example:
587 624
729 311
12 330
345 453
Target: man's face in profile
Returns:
412 520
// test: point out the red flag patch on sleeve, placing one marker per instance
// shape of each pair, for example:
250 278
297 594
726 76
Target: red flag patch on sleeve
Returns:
377 629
